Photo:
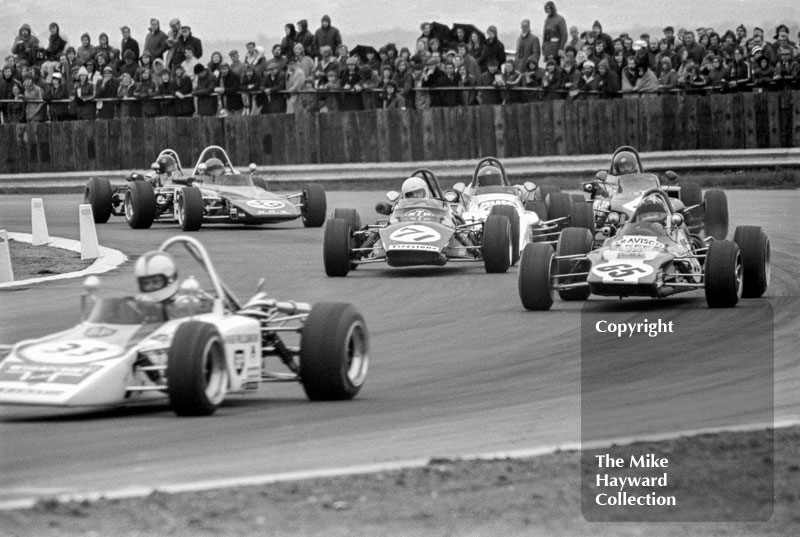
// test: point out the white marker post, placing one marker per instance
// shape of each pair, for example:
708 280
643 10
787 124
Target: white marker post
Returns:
90 249
38 223
6 274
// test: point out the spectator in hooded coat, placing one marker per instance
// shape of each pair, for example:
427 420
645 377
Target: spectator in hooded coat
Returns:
86 51
25 45
103 47
326 35
288 41
669 77
305 38
597 32
55 48
763 73
129 65
555 33
155 42
607 80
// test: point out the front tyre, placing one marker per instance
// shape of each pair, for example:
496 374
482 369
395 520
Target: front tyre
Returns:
716 222
723 274
513 217
189 208
334 352
197 377
336 247
755 250
497 244
535 270
573 241
98 194
314 205
140 205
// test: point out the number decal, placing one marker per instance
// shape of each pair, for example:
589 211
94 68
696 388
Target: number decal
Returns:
77 351
621 270
415 233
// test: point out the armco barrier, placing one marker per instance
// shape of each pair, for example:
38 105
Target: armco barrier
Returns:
650 123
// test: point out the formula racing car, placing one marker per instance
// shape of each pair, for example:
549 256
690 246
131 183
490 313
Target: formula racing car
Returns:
422 228
178 342
537 214
616 193
652 255
213 192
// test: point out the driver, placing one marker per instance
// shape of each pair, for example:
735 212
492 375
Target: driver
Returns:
651 215
214 167
156 276
415 187
624 162
489 176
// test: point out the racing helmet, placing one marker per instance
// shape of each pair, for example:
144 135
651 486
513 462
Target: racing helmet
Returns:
157 276
490 176
214 166
624 162
652 209
167 164
415 187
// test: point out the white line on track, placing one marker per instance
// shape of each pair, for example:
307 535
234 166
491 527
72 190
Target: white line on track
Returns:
61 496
109 259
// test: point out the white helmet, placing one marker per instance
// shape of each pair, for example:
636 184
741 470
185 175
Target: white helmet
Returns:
415 187
157 276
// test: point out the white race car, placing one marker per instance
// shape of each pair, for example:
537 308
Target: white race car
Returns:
191 351
537 214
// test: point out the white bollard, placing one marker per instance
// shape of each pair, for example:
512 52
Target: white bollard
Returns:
38 223
90 249
6 274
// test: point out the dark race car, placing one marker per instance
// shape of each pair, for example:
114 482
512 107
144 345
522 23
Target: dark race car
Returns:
652 255
615 194
423 228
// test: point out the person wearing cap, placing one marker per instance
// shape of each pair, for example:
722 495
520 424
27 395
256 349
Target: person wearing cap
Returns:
588 82
493 49
128 43
555 33
575 40
669 35
106 88
326 35
172 43
274 83
83 96
787 70
155 42
767 50
25 45
58 91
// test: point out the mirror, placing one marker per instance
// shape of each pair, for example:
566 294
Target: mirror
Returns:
155 167
252 167
459 187
613 218
602 175
529 186
201 168
677 219
671 175
588 187
383 208
393 195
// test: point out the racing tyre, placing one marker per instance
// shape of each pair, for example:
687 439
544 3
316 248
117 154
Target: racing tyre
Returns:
351 215
197 378
755 251
314 205
537 206
573 241
140 205
189 208
716 204
333 352
545 190
724 271
582 214
513 217
559 205
534 277
690 194
497 247
260 183
98 195
336 247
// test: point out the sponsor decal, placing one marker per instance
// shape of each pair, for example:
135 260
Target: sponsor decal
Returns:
238 361
416 247
77 351
241 338
49 373
29 391
99 331
486 205
415 233
638 242
627 272
270 213
418 213
266 204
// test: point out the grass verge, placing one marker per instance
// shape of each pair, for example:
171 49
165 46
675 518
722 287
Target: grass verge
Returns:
28 261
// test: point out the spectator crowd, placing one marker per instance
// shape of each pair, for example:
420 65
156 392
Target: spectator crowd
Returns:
168 73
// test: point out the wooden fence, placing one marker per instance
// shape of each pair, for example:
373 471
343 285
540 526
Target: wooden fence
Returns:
649 123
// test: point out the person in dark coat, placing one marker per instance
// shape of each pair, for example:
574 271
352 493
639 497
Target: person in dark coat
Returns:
326 35
129 43
83 95
184 103
25 45
493 49
274 83
597 31
491 78
607 80
528 47
288 41
207 102
165 92
59 111
106 88
155 42
187 40
228 85
55 48
305 38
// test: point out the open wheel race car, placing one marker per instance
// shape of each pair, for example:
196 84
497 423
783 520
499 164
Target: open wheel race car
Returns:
653 255
418 231
215 192
616 193
537 214
193 349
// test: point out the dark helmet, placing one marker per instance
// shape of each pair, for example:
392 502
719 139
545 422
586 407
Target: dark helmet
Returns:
651 209
214 166
167 164
624 162
490 176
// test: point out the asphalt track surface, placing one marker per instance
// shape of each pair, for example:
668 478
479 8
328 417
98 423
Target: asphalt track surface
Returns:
458 367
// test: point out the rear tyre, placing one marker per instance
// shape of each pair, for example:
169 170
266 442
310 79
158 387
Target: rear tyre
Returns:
140 205
573 241
513 217
545 190
189 208
582 214
334 352
559 205
314 205
197 377
336 247
535 269
716 204
98 194
755 251
723 274
351 215
497 244
690 193
537 206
